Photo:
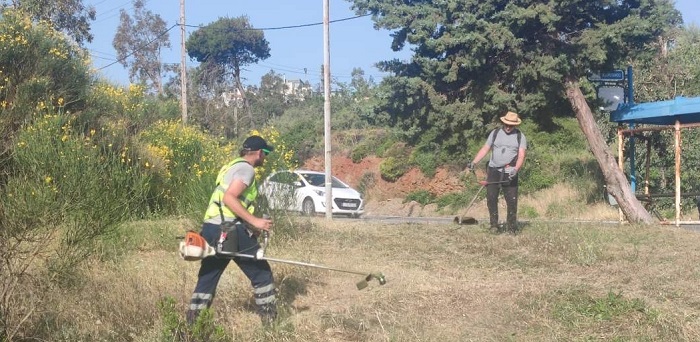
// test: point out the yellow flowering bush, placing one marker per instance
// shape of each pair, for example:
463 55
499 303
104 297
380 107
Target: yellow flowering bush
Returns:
283 158
117 100
53 71
183 161
75 168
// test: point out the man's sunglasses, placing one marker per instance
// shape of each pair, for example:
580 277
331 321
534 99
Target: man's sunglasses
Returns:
266 151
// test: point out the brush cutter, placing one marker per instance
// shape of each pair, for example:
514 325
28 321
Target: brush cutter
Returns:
468 220
460 220
195 247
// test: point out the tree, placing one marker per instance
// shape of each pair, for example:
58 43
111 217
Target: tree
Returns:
226 46
68 16
138 43
270 99
474 59
672 70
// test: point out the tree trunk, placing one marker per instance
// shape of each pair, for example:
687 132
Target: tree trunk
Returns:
239 85
617 184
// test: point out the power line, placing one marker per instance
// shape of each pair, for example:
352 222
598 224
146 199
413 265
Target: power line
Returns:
290 69
263 29
292 26
136 50
103 17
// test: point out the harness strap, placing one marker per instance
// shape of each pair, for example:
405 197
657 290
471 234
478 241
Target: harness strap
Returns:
493 139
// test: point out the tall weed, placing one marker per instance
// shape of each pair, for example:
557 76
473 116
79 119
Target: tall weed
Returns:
64 191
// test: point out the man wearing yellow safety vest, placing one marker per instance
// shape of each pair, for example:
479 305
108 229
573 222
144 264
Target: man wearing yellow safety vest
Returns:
230 224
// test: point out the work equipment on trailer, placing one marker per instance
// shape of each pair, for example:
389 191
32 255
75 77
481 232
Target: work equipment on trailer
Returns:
194 247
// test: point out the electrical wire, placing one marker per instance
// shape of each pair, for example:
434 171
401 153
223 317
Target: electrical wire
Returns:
303 71
137 50
291 26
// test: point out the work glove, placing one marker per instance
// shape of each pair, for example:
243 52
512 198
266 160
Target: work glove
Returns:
470 167
512 172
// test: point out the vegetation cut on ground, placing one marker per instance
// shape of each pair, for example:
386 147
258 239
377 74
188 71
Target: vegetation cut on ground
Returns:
552 282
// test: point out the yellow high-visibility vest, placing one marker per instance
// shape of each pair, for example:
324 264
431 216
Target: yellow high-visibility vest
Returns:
217 207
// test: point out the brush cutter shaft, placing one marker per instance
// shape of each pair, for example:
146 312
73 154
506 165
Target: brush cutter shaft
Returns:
298 263
474 199
196 248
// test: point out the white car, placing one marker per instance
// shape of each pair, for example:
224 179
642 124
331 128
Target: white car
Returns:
305 191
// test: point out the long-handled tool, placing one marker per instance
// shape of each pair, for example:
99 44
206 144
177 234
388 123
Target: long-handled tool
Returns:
468 219
360 285
463 220
195 247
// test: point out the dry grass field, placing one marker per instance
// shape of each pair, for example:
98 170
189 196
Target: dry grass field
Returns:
551 282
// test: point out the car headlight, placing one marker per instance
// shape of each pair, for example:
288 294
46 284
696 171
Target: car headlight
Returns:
319 192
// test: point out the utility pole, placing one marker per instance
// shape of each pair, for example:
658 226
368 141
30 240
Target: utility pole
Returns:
327 107
183 64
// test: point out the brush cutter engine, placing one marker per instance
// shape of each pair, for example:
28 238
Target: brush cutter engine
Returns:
194 247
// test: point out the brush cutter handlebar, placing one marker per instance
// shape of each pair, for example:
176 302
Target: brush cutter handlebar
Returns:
485 183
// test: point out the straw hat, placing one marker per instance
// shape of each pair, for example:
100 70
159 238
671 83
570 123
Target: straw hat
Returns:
511 119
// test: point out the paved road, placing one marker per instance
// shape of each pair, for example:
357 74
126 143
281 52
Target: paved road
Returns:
451 220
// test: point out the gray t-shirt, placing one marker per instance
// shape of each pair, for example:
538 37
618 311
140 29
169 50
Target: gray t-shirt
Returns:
242 171
505 148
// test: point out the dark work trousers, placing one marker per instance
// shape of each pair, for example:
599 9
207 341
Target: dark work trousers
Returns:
497 180
211 269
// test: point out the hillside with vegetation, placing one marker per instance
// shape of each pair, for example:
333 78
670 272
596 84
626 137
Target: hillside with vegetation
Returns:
98 181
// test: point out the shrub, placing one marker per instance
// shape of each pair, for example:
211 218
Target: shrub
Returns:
367 181
454 200
384 145
64 192
108 103
183 163
397 150
302 130
360 152
423 197
392 168
427 161
41 72
283 158
528 212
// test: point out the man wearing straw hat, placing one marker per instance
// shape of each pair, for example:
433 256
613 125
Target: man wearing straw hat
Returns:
507 145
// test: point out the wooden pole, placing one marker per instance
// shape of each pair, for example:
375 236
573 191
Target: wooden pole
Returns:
647 166
183 64
327 107
620 163
678 172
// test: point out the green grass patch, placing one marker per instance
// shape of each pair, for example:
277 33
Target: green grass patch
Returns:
578 307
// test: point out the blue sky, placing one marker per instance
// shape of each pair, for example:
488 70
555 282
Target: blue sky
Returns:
296 53
353 43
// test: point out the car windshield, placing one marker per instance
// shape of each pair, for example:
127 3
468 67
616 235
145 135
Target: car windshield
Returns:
317 179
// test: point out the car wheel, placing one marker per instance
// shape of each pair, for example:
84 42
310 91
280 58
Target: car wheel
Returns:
307 207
